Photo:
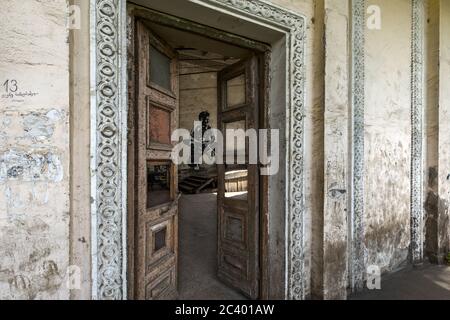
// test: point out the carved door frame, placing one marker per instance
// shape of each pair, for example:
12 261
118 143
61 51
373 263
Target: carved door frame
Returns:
109 115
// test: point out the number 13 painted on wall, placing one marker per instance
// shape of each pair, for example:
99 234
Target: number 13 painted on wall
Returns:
11 86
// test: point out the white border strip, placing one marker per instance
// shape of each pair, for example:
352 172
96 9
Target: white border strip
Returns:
93 147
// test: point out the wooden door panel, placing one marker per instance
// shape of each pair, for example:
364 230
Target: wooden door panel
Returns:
234 266
158 154
238 209
162 98
159 242
157 249
235 227
156 223
159 126
163 286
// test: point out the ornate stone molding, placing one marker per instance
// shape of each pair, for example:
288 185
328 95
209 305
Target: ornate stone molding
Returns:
357 267
109 139
295 26
417 106
108 144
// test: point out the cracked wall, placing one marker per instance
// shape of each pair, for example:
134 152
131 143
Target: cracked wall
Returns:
34 150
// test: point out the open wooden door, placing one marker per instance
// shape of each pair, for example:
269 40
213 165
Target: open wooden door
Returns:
238 191
156 198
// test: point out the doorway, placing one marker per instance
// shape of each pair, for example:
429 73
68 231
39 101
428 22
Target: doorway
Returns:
219 211
283 267
181 76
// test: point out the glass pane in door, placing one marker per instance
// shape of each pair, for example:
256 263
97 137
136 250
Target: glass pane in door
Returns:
235 142
160 69
158 185
236 183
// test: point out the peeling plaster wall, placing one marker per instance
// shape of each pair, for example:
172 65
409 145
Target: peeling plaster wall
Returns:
388 136
432 128
334 246
443 228
437 226
34 149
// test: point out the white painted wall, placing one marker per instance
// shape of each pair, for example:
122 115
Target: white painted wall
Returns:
444 129
334 251
34 149
388 136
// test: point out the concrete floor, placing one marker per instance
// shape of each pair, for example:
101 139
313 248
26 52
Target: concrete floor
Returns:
429 282
198 250
198 263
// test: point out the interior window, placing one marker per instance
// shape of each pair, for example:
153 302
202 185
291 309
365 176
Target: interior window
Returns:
160 69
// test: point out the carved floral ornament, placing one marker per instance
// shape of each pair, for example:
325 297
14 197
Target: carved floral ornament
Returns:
108 173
